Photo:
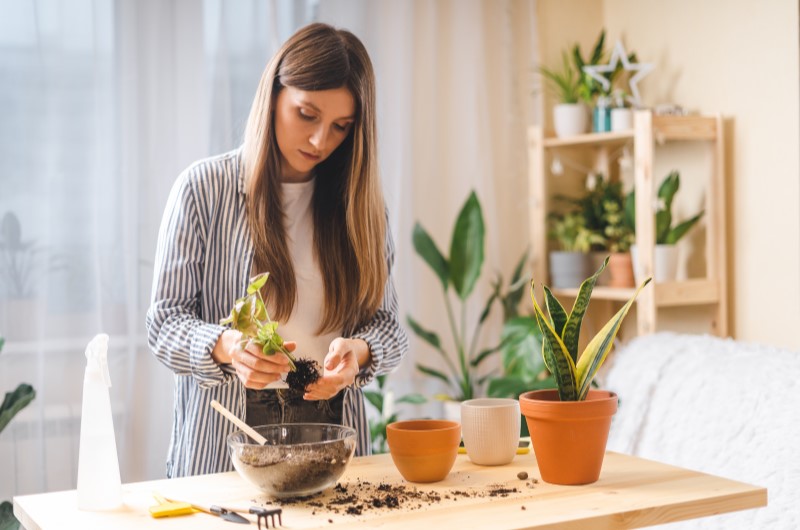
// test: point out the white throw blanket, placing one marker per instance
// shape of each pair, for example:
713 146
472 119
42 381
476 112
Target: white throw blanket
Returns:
722 407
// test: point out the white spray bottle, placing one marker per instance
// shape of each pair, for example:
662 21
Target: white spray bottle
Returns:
99 485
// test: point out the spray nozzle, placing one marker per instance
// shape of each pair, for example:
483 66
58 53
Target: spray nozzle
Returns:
97 352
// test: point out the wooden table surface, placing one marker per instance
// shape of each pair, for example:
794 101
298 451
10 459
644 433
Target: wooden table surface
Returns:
631 493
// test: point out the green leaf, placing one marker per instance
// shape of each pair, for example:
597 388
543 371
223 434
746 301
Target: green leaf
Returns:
663 222
14 402
484 354
427 249
558 316
7 519
597 350
466 247
433 373
668 189
572 329
375 398
630 211
428 336
413 399
488 307
556 356
257 282
679 231
2 343
521 353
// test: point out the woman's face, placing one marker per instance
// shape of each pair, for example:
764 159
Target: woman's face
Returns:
309 126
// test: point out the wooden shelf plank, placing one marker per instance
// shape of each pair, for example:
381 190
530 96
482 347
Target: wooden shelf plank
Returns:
684 128
670 294
590 139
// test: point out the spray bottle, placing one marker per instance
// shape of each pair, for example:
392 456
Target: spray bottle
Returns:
99 485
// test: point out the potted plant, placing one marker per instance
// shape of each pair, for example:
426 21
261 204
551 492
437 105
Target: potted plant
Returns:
459 271
12 403
569 425
570 115
570 265
665 262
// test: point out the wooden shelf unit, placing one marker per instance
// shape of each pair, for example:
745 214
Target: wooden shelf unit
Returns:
648 130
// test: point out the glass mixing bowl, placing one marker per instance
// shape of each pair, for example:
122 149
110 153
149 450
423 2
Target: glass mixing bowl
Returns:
299 459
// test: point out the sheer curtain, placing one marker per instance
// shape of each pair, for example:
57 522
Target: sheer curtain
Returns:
104 102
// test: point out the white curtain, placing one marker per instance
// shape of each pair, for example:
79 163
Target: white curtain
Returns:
104 102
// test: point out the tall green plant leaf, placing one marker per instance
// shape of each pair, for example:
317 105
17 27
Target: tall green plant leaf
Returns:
668 188
663 221
558 316
466 247
428 336
679 231
556 355
14 402
7 519
429 252
375 398
433 373
413 399
572 329
597 350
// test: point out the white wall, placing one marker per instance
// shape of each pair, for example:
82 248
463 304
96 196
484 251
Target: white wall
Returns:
738 58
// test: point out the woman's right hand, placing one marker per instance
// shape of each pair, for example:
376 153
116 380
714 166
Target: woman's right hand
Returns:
254 369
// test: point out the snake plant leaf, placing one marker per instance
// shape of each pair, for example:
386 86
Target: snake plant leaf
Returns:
597 350
466 247
679 231
572 329
427 249
668 189
433 373
257 282
14 402
556 356
558 316
428 336
663 222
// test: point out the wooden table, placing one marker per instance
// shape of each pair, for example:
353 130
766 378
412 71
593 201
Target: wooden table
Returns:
631 493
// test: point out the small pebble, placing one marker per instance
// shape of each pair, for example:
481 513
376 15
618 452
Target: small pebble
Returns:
522 475
524 508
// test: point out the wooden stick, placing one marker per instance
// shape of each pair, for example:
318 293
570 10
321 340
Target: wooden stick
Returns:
239 423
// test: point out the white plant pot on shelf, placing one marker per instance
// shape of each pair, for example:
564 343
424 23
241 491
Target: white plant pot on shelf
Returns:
570 119
665 264
621 119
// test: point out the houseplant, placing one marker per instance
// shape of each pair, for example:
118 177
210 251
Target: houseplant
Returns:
570 265
460 271
569 425
570 115
384 402
13 402
665 262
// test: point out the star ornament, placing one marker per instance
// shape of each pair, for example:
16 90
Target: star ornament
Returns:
620 55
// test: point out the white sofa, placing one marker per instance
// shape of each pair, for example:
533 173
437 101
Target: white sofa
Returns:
718 406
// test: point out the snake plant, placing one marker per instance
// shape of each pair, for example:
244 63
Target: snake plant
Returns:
560 334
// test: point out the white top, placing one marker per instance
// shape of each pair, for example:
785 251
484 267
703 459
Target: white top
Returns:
307 314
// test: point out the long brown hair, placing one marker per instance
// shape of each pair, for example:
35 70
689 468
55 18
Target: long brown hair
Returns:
348 206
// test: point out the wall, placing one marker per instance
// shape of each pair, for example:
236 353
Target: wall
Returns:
738 58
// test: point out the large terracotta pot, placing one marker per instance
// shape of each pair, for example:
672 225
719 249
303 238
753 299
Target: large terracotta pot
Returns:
569 437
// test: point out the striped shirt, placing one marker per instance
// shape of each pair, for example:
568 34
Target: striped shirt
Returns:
202 265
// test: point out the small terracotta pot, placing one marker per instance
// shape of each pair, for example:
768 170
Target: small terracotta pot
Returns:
569 437
424 450
620 266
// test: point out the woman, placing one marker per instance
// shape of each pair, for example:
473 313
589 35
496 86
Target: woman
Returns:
301 199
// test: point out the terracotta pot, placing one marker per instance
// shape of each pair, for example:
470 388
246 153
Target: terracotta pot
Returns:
620 266
569 437
423 450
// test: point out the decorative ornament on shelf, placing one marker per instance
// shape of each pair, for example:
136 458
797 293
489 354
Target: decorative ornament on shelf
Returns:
620 55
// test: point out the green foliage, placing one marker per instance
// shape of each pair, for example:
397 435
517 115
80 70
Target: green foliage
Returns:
384 402
666 234
571 232
590 87
12 403
249 316
560 336
603 210
461 271
564 83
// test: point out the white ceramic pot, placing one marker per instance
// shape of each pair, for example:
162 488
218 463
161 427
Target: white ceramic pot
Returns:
570 119
621 119
665 264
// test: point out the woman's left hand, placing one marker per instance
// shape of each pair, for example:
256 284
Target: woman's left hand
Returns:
339 368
